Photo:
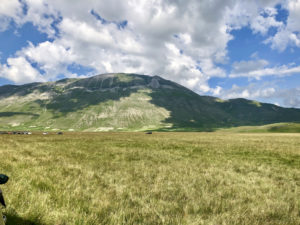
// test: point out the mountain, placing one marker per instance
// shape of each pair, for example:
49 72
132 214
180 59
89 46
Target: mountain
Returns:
122 102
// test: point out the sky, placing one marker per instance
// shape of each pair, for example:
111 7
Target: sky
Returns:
224 48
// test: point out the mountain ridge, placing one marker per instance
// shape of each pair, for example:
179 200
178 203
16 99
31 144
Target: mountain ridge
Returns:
127 102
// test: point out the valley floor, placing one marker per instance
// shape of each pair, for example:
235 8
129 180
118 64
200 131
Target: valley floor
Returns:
163 178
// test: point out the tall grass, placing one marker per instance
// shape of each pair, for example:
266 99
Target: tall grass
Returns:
164 178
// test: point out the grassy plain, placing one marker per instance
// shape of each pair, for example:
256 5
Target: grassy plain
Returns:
163 178
269 128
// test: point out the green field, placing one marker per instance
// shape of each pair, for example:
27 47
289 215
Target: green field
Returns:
163 178
269 128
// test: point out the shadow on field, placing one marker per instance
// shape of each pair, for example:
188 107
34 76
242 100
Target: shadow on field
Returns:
16 220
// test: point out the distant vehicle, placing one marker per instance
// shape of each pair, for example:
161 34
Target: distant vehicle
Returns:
59 133
3 180
45 133
150 132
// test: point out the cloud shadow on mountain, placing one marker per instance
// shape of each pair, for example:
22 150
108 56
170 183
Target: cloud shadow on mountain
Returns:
189 111
10 114
92 91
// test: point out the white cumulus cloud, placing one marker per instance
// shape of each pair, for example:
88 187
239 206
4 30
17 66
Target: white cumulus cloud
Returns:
9 10
288 35
20 71
258 69
183 40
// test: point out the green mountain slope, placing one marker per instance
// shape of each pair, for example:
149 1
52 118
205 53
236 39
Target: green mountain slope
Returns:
121 102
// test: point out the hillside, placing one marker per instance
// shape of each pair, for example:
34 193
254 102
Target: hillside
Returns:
122 102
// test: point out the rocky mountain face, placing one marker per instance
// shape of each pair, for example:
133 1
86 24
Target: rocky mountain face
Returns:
127 102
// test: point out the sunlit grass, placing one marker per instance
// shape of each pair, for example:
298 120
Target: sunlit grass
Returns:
163 178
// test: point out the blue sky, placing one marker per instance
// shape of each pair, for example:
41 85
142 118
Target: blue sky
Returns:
228 48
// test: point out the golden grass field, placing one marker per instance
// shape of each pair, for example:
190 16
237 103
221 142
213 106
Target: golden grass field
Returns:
163 178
